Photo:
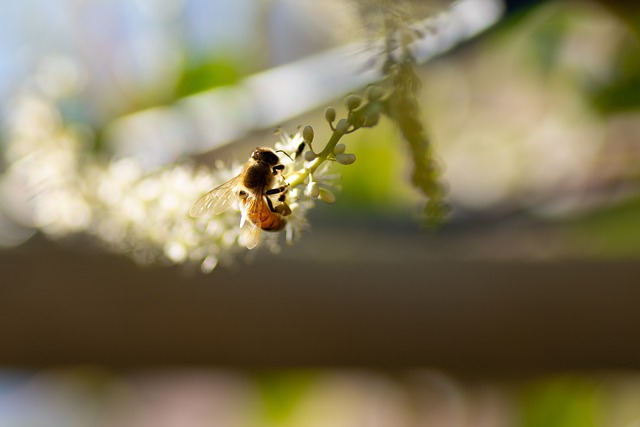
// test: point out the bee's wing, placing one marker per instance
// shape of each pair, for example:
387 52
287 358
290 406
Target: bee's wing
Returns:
249 230
249 235
217 200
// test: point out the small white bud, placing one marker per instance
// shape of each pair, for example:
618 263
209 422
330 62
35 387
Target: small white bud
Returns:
374 93
342 126
345 158
309 156
359 120
371 121
327 196
307 134
330 114
313 189
353 101
339 148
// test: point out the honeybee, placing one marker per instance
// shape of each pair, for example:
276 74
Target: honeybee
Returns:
254 186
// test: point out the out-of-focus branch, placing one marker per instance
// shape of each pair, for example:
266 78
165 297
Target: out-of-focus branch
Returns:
209 120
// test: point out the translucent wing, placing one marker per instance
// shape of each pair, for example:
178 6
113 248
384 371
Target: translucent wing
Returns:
249 235
217 200
250 222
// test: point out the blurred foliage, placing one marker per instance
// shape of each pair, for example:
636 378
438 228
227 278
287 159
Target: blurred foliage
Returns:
73 396
490 97
563 401
379 182
200 76
610 93
619 92
281 392
545 43
610 231
627 11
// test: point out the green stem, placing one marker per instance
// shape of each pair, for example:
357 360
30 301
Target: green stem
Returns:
373 107
298 178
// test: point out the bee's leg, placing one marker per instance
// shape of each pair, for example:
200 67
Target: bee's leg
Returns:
276 190
278 168
282 190
270 203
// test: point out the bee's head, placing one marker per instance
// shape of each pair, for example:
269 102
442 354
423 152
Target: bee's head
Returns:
265 154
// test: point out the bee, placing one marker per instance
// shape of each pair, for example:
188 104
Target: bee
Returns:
253 186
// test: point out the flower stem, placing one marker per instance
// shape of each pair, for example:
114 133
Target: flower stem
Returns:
354 121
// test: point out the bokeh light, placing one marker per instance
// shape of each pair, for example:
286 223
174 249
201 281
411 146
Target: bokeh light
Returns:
116 116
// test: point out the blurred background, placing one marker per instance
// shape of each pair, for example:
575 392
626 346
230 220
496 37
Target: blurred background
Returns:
519 310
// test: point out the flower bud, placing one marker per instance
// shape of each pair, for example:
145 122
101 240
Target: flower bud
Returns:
352 102
339 148
330 114
309 156
307 134
374 93
327 196
359 120
313 189
371 120
345 158
342 126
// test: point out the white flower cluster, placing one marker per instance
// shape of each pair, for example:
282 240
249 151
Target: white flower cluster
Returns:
297 164
40 185
146 216
52 183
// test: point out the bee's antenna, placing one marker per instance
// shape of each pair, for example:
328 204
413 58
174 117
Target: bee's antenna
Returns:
283 152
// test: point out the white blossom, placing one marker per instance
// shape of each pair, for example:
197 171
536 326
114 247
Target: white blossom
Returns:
67 190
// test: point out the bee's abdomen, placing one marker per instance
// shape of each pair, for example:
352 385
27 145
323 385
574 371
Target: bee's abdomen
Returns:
271 221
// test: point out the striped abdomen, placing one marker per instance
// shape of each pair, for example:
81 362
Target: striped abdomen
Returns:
267 220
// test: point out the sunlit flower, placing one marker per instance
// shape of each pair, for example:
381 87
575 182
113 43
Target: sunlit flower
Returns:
294 161
143 215
293 146
64 191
